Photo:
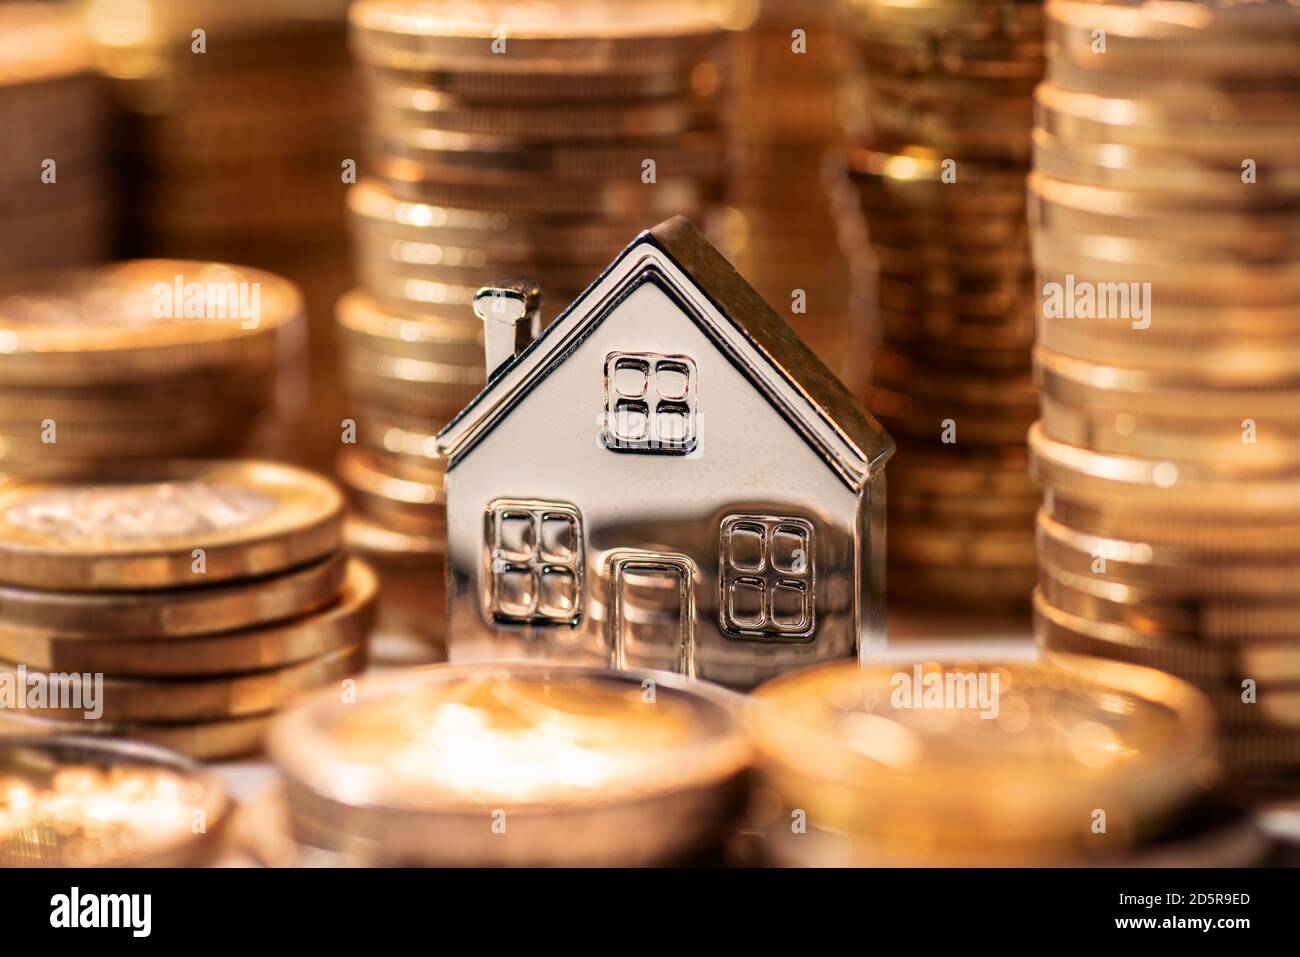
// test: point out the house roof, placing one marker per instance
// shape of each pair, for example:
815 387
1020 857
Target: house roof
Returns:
677 257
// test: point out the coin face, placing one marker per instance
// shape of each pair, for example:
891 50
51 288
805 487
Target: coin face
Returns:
97 515
164 525
452 737
957 755
70 802
141 319
563 752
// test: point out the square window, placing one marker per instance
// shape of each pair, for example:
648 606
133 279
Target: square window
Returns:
515 592
650 403
558 595
746 547
672 380
789 604
533 562
559 538
745 602
515 540
790 549
672 423
631 377
766 577
631 422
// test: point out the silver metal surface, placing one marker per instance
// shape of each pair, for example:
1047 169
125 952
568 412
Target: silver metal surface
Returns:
509 310
666 478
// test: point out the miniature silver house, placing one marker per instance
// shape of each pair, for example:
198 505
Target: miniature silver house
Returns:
666 477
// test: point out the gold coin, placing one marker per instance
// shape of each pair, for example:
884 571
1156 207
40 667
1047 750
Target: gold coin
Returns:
494 158
670 769
992 589
1266 120
513 237
409 436
1118 166
164 525
1115 518
52 615
842 742
577 83
315 633
1203 570
102 324
402 263
72 802
540 38
376 541
917 54
407 504
401 105
413 579
914 543
1068 208
909 509
432 388
913 418
1201 393
1195 490
132 700
30 443
165 401
1219 437
1198 617
200 740
1233 41
365 323
531 194
1203 664
951 18
1003 474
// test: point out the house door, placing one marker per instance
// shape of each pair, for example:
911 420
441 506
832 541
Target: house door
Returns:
651 610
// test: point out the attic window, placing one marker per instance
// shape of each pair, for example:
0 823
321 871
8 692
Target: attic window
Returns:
533 552
650 403
766 577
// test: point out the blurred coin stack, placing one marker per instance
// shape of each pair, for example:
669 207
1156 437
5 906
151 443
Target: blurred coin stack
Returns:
142 359
177 604
787 195
1165 204
511 764
55 205
1065 762
941 181
239 118
503 140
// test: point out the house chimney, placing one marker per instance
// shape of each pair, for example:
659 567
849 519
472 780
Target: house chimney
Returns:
509 311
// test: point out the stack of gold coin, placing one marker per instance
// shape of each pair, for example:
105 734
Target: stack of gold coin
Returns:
180 604
239 133
788 197
940 174
513 764
527 139
1062 762
73 802
1165 203
142 359
405 376
503 140
54 171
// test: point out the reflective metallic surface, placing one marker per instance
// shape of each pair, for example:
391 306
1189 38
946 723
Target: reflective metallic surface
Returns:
666 478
